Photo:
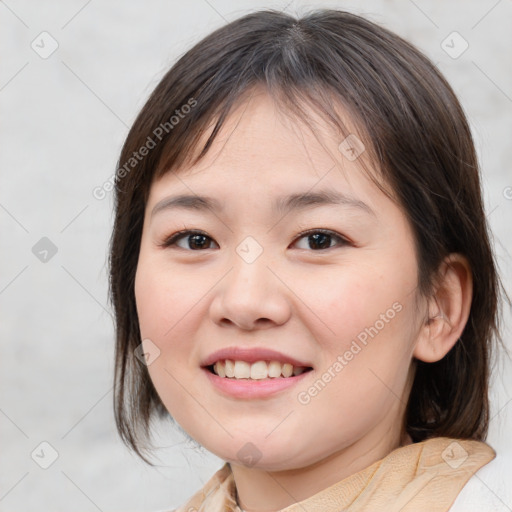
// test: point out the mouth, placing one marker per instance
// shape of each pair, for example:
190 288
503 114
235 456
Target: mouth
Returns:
257 371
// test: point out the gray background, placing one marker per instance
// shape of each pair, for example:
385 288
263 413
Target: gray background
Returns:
63 121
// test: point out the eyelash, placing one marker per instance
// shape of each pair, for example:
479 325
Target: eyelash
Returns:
170 241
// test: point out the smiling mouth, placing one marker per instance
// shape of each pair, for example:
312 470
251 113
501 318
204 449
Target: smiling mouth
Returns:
260 370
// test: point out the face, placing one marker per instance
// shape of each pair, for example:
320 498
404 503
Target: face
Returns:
297 258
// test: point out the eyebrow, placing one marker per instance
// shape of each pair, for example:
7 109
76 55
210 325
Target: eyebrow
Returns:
281 205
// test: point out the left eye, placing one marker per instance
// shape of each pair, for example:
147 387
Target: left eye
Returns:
321 239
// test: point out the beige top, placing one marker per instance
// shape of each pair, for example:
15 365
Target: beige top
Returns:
419 477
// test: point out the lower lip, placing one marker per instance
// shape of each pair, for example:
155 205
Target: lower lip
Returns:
240 388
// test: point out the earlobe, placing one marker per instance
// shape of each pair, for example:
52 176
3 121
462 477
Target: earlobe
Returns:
447 310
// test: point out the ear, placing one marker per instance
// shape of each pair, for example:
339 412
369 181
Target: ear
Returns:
447 310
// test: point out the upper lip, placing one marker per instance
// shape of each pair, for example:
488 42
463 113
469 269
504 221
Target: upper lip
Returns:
251 355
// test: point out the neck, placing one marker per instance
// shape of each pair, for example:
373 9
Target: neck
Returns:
269 491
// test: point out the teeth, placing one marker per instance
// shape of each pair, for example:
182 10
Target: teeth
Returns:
219 369
287 370
274 369
259 370
242 370
229 367
256 371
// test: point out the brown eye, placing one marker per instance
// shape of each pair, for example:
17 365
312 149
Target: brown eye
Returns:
321 239
190 240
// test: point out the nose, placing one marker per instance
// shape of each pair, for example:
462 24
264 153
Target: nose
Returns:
250 297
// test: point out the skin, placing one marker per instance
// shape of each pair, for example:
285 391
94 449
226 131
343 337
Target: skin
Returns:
297 298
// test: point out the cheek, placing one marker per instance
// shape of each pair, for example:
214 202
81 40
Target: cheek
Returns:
163 297
363 326
163 300
353 298
365 323
168 308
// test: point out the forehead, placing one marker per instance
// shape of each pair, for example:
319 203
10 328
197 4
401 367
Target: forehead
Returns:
261 150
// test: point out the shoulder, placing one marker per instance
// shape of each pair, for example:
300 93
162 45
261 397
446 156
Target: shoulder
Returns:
488 489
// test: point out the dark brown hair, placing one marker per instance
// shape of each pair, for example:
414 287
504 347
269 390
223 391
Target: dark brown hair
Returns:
416 134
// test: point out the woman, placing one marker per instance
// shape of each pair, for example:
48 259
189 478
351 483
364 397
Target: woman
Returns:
301 261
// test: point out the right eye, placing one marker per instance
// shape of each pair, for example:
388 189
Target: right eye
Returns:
193 240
